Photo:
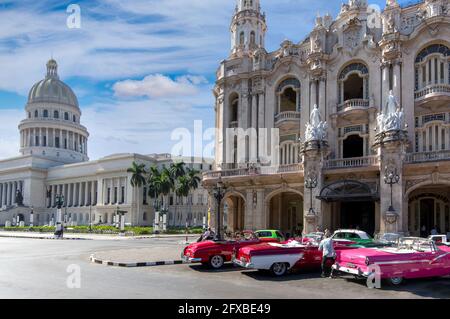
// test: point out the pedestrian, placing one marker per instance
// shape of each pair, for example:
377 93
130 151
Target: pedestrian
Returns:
207 235
423 231
434 231
328 254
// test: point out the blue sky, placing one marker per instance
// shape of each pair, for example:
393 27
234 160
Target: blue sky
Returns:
140 68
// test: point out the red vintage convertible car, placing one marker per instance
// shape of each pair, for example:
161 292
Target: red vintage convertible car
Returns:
279 258
216 253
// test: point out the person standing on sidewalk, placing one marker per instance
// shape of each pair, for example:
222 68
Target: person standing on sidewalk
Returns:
328 253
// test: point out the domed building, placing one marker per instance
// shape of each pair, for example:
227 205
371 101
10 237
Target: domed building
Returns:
54 163
52 128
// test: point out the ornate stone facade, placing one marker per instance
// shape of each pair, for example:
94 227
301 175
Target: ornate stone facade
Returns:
381 80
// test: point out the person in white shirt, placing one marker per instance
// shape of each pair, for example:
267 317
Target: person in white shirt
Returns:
328 253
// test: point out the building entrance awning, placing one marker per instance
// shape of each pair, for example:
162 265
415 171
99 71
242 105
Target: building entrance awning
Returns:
348 191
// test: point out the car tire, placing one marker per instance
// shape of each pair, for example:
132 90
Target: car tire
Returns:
216 262
279 269
395 281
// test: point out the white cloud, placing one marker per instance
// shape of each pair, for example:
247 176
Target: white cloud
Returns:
159 86
9 133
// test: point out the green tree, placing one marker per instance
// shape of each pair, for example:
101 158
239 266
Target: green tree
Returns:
193 182
138 173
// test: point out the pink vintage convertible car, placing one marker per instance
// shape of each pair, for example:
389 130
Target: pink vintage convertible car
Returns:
411 258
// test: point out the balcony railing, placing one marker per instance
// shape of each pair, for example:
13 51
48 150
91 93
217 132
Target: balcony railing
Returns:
291 168
434 89
352 162
353 104
287 116
263 170
427 156
234 124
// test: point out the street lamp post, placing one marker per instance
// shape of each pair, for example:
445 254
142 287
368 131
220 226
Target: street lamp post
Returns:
311 183
219 193
391 178
59 227
90 218
31 217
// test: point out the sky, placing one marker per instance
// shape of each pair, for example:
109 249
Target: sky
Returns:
140 68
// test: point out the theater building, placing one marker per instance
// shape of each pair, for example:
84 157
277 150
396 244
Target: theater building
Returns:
347 66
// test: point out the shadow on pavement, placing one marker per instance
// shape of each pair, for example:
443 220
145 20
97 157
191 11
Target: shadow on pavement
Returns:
267 276
228 267
436 287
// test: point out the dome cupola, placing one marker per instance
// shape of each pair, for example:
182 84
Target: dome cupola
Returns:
52 128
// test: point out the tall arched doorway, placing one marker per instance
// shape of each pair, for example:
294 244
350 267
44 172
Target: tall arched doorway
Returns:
285 212
352 205
429 207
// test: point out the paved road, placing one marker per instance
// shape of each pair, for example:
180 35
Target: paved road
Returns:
31 268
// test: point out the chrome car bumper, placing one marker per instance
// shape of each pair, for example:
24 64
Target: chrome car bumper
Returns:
188 259
348 270
243 264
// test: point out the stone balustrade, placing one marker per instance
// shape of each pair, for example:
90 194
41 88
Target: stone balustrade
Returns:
352 162
433 89
263 170
427 156
287 116
353 104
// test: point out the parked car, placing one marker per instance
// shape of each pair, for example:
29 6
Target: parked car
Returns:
216 253
274 234
440 239
411 258
279 258
358 237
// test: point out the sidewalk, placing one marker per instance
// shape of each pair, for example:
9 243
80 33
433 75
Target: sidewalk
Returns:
71 236
141 257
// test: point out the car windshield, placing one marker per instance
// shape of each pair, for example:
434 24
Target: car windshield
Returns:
263 234
416 244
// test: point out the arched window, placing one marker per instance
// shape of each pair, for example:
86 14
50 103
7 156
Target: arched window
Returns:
288 94
353 83
66 116
36 113
56 114
46 113
74 118
431 133
234 108
432 67
289 153
241 38
252 38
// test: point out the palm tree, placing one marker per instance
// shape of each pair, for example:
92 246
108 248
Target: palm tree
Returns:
153 185
193 182
138 180
137 172
177 170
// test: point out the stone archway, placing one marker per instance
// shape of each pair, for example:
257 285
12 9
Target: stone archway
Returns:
233 209
429 207
284 210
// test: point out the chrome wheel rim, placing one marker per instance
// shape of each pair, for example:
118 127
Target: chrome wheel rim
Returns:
217 261
396 280
279 269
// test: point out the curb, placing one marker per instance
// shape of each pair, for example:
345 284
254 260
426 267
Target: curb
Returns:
134 265
43 238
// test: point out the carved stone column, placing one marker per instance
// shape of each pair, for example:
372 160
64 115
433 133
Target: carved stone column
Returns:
392 146
314 153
